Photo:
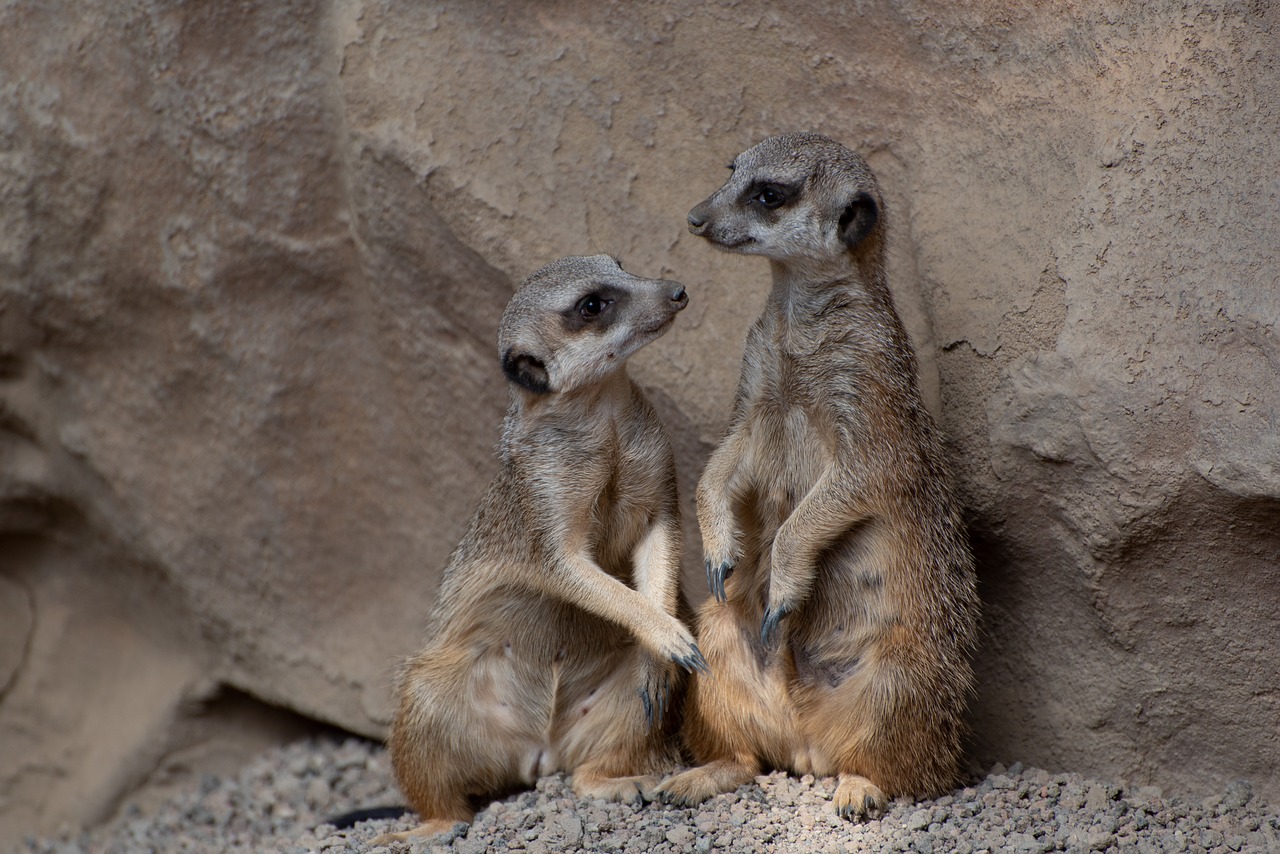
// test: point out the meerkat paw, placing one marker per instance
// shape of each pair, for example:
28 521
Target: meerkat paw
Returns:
680 647
786 594
857 798
434 827
655 680
692 787
627 790
718 571
769 625
719 543
687 789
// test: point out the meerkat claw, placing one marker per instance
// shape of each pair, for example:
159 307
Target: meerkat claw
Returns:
654 695
716 578
700 662
769 626
654 698
855 811
722 575
693 660
648 705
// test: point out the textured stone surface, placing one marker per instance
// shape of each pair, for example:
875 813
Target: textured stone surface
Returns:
252 261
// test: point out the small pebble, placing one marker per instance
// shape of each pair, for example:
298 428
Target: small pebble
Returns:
278 801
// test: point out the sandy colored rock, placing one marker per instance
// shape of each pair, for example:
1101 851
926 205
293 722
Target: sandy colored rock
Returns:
252 262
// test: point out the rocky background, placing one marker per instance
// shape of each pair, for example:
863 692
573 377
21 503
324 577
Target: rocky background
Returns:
252 258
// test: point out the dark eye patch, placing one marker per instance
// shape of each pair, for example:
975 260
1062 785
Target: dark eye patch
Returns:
595 307
770 195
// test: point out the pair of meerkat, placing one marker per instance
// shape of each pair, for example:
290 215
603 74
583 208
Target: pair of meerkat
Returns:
844 609
843 614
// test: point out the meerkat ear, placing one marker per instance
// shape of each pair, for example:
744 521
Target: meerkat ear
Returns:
527 371
859 217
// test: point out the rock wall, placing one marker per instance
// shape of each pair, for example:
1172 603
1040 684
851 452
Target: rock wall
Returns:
252 260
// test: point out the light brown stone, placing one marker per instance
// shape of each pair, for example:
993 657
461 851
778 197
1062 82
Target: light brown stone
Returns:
252 261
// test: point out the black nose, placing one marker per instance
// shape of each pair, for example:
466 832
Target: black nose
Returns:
697 221
679 299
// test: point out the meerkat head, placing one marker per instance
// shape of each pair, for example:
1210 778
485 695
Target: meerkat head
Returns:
794 197
578 319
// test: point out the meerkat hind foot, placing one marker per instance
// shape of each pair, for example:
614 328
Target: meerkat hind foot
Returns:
692 787
435 827
627 790
858 798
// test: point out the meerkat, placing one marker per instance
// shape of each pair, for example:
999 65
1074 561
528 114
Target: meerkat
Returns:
843 616
556 642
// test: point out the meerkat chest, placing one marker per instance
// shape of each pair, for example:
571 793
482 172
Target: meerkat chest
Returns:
630 491
790 440
633 487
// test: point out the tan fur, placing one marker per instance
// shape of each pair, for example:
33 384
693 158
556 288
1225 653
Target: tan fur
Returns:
555 643
844 645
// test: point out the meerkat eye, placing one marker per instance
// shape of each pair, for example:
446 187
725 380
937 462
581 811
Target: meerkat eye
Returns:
769 196
591 305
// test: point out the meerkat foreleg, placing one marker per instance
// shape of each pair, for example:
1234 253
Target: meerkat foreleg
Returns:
573 576
577 579
717 488
657 572
824 513
657 564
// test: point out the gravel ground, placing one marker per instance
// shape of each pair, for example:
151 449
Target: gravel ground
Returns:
276 804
